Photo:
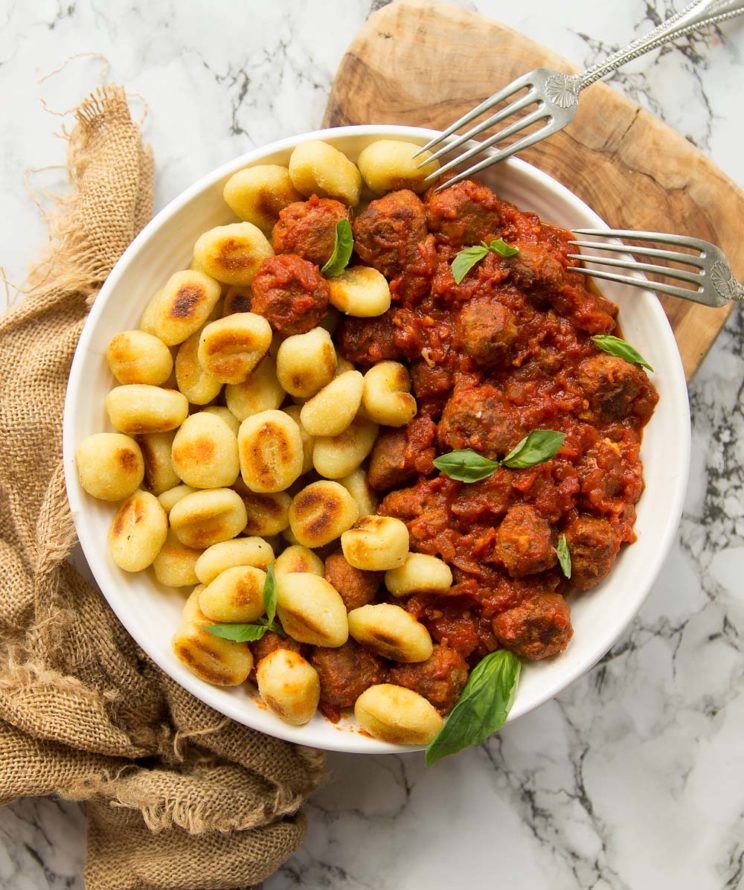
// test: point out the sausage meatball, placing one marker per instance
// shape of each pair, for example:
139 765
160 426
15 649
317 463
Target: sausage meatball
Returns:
463 214
387 233
537 628
357 588
366 341
593 544
440 679
536 267
399 455
290 293
487 330
611 386
346 672
479 417
524 544
308 228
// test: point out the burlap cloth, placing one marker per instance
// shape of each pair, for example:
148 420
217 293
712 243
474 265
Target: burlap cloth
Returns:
176 795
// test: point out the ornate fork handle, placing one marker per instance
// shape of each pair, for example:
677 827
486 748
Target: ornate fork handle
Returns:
691 18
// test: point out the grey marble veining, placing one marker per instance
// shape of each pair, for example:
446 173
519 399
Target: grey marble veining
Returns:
634 776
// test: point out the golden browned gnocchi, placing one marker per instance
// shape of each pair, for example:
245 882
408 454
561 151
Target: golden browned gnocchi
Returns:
235 595
159 473
305 363
226 416
268 514
389 164
321 512
195 383
110 466
360 291
357 485
336 456
311 610
174 564
317 168
419 573
376 543
237 552
204 453
387 395
391 632
331 410
181 307
208 517
270 447
139 357
232 254
297 558
295 412
257 194
289 685
231 347
169 498
260 391
397 715
140 408
138 531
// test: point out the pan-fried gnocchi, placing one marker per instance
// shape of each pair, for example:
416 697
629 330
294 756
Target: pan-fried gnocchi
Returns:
289 685
232 254
317 168
224 419
389 164
257 194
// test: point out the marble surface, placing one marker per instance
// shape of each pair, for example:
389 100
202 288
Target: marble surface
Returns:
634 776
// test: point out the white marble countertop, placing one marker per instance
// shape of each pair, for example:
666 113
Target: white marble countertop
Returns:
634 776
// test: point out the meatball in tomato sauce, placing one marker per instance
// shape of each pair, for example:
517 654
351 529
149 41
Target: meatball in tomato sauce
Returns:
440 679
464 214
537 628
387 233
308 228
290 293
346 672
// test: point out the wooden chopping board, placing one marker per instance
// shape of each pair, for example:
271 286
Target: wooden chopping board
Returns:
424 63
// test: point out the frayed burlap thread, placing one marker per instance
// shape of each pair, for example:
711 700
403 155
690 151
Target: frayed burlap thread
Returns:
177 796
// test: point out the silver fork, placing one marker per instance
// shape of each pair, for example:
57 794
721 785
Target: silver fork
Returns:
712 279
556 95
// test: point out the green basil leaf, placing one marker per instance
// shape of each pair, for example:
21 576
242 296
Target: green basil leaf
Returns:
342 248
564 556
238 633
465 465
621 348
466 259
539 446
482 708
502 248
269 595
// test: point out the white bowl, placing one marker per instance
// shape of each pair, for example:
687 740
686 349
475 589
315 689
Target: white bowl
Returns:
151 612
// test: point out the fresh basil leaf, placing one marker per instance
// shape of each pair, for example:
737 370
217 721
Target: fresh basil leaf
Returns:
539 446
621 348
238 633
465 465
564 556
466 259
502 248
269 595
342 248
482 708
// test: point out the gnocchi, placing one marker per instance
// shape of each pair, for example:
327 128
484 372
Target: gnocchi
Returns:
270 449
208 517
231 347
397 715
260 391
420 573
295 412
195 383
137 408
387 395
235 595
169 498
391 632
311 610
204 453
138 531
376 543
232 254
360 291
110 466
156 450
289 685
321 512
331 410
305 363
337 456
139 357
226 416
257 194
297 558
389 164
317 168
237 552
268 514
358 487
181 307
174 564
